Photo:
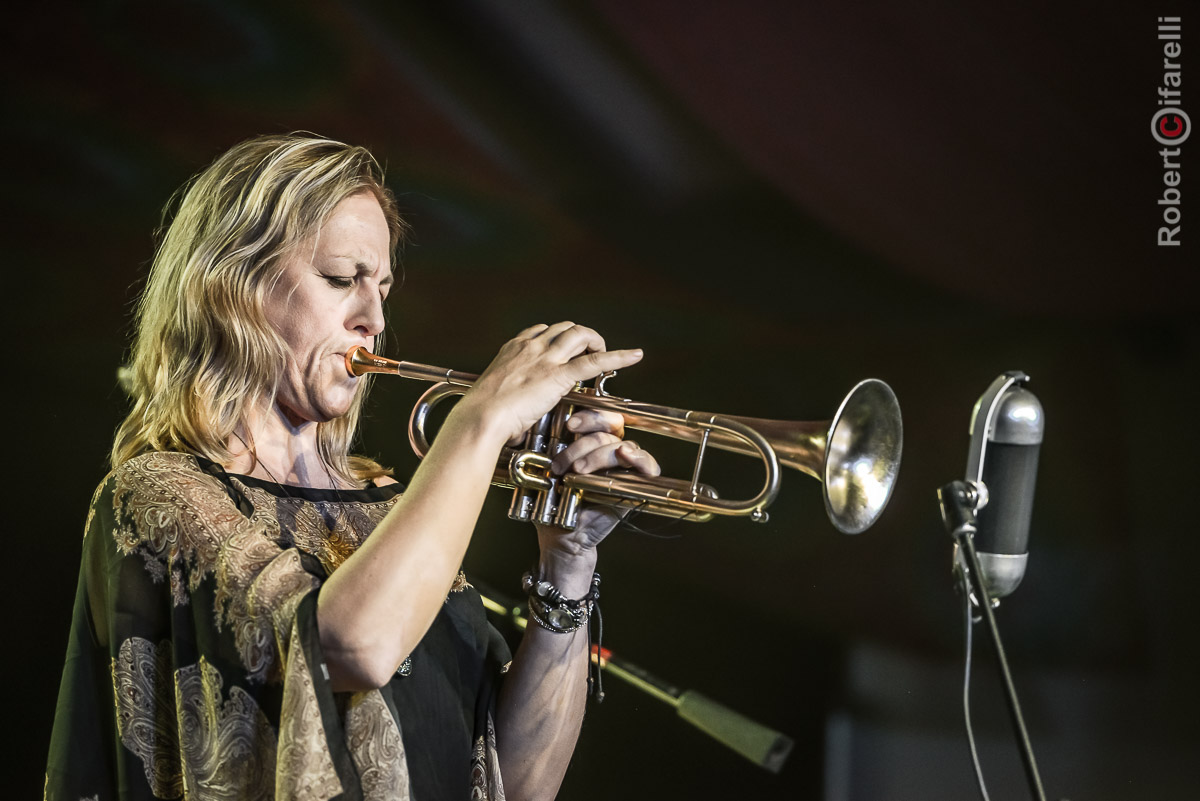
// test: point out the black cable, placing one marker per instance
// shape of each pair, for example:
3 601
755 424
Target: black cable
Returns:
970 627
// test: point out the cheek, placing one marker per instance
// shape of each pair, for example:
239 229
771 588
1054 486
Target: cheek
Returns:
303 338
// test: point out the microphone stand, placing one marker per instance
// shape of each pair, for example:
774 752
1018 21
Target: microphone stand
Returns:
959 501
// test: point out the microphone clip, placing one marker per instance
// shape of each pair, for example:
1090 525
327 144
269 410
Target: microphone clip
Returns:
959 501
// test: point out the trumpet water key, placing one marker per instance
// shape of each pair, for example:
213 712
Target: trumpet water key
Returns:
855 455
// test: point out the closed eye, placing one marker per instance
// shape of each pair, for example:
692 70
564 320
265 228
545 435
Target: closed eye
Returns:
339 281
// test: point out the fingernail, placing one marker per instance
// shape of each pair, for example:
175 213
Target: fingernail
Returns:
573 423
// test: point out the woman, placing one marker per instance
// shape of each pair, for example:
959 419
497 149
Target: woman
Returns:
236 633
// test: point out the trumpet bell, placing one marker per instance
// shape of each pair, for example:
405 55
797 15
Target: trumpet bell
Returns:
862 456
855 455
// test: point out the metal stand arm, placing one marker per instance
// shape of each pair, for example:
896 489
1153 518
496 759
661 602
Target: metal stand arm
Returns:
958 500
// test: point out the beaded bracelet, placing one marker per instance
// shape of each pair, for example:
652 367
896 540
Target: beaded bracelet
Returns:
553 611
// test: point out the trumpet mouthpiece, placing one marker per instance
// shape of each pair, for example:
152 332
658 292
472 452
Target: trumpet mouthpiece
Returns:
360 361
351 356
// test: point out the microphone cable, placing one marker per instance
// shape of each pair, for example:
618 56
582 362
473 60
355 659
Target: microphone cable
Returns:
970 627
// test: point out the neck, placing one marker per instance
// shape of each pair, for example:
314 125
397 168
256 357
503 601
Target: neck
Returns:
271 446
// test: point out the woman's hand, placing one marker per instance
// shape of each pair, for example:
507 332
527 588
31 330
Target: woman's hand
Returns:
534 370
598 447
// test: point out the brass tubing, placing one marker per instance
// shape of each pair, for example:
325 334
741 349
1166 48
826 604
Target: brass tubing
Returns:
855 455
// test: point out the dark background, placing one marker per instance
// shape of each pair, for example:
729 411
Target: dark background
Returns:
774 199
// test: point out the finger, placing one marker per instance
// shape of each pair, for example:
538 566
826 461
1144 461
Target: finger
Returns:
580 448
552 333
590 365
585 421
629 455
620 454
531 331
574 340
596 459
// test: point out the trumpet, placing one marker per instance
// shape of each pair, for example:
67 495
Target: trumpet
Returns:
855 454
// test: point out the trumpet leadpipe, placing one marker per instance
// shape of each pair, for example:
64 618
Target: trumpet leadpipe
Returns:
360 361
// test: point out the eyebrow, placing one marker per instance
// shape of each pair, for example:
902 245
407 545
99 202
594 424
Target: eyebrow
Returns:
364 268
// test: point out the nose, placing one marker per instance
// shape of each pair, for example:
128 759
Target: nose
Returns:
367 319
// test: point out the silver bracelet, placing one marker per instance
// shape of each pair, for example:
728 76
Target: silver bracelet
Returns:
553 611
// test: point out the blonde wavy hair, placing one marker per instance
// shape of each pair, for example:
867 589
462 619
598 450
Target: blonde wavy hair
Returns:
203 351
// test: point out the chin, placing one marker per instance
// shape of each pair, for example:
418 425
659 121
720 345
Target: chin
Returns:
326 414
318 410
335 409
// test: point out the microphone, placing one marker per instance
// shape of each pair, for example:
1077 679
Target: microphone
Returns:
1007 426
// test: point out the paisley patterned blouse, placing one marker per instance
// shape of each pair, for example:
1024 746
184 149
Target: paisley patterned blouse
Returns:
194 667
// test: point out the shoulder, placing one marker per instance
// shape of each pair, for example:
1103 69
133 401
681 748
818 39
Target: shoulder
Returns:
165 500
172 478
